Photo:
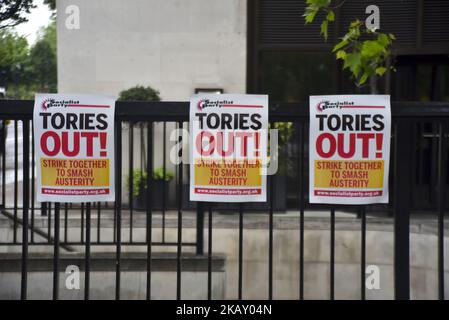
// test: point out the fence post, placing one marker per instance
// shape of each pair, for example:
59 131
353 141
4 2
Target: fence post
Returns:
26 199
404 146
200 228
44 209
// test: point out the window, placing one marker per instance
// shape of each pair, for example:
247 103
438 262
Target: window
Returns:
293 76
421 78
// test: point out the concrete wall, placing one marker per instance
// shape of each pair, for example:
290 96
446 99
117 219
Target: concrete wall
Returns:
133 286
174 46
133 282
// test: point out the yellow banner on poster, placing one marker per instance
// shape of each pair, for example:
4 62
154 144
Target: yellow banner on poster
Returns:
75 172
368 174
228 173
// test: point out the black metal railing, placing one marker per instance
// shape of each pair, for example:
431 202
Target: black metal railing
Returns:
419 152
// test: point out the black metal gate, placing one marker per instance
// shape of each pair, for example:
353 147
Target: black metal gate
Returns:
418 157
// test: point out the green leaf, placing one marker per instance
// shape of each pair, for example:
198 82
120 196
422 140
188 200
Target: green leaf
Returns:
320 3
371 49
353 61
341 54
352 34
392 36
383 39
340 45
330 16
364 77
355 24
310 15
380 70
324 26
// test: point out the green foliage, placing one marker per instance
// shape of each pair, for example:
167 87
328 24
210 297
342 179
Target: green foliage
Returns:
285 131
139 93
43 60
48 34
158 174
14 64
366 58
13 12
25 70
313 7
13 54
140 178
363 58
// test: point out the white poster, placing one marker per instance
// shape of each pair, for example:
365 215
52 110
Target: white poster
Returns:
74 143
349 149
228 147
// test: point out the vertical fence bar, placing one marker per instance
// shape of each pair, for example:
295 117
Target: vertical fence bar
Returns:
164 182
332 255
363 252
199 228
56 254
43 209
209 255
114 226
421 142
98 222
82 223
403 180
26 190
270 242
240 288
179 248
118 207
49 221
301 132
131 177
66 222
16 183
32 182
149 236
442 174
434 179
87 254
4 129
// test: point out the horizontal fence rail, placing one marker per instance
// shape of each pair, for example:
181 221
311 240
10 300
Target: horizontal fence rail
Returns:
179 111
418 182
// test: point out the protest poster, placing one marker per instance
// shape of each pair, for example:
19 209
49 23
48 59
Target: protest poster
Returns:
228 147
349 149
74 146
